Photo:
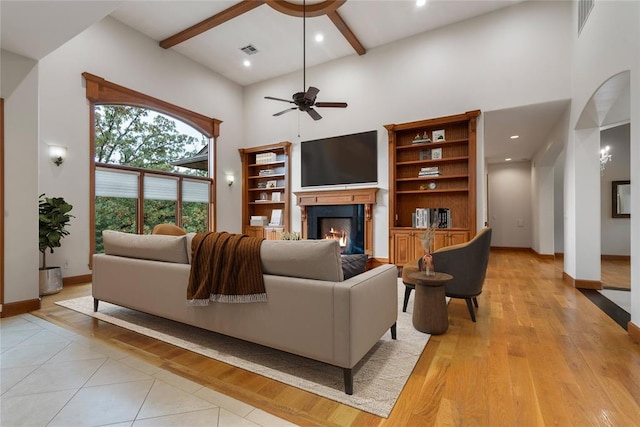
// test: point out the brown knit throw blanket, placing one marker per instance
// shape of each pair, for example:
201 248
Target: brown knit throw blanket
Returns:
226 268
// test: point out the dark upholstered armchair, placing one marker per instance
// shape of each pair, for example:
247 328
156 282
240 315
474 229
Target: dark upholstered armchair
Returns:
467 263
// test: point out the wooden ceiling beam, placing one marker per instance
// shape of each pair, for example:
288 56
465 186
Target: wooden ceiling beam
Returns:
233 12
346 32
327 7
311 10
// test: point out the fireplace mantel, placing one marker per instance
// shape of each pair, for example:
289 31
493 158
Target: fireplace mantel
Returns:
355 196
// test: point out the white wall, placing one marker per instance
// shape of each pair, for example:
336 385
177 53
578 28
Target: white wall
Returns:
114 51
558 204
635 191
510 204
547 208
496 61
20 89
608 45
616 232
542 190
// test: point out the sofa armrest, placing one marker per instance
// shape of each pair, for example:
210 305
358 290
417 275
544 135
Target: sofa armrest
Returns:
368 304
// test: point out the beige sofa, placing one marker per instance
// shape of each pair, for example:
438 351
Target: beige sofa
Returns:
311 311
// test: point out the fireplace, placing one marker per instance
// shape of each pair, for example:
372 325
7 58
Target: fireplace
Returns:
344 223
347 212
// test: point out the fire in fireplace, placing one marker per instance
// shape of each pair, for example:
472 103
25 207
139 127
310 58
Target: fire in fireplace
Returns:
344 223
339 235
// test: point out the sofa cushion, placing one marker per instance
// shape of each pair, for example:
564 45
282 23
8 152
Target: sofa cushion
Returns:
153 247
309 259
190 237
353 264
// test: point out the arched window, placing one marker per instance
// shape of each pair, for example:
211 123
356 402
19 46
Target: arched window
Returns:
152 162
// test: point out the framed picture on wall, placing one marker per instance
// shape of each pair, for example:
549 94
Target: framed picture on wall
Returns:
436 153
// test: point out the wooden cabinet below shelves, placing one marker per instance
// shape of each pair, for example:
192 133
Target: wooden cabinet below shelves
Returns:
406 246
269 233
254 231
273 233
448 238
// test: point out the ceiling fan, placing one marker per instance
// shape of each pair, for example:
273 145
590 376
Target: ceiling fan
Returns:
305 101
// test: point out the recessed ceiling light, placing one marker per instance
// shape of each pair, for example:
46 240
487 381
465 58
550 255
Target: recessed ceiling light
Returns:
508 159
514 136
319 37
246 63
421 3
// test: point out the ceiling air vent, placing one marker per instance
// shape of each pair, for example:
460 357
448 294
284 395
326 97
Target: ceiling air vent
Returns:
249 49
584 8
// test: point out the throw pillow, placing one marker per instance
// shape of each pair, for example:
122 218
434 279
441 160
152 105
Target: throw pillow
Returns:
168 230
353 264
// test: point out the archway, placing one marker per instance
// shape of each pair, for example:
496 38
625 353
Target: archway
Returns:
608 107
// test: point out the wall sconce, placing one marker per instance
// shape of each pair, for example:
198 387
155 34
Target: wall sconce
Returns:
57 153
230 179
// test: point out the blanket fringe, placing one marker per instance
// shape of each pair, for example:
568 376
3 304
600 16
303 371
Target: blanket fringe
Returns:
233 299
197 302
239 298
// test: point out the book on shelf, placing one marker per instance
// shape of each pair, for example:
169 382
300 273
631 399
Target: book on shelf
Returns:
429 171
444 218
431 217
258 220
262 158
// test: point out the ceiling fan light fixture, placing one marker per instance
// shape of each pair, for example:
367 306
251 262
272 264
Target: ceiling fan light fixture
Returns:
306 100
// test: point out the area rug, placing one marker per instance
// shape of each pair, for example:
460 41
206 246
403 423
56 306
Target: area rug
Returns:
378 378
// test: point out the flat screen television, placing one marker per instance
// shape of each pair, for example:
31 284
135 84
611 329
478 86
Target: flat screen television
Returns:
346 159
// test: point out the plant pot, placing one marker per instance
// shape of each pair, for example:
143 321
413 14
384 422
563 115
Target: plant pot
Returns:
50 280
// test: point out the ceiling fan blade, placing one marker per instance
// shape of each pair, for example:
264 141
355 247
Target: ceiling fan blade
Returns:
278 99
311 93
314 114
285 111
331 104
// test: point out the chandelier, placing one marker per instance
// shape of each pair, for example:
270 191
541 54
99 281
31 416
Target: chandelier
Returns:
605 157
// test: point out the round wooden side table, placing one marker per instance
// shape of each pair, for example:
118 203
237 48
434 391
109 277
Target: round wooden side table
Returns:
430 306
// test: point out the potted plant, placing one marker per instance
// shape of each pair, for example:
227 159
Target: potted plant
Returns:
53 219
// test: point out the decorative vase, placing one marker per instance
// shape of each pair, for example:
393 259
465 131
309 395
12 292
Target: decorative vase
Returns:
426 262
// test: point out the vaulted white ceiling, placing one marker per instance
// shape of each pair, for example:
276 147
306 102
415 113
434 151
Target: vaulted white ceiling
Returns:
36 28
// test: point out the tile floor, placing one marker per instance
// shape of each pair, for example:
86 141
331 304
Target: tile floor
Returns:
50 376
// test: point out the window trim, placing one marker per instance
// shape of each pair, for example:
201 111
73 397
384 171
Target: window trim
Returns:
102 92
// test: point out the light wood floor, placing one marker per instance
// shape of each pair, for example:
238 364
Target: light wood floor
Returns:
540 354
616 273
